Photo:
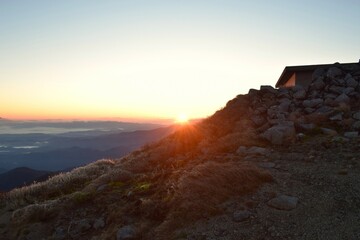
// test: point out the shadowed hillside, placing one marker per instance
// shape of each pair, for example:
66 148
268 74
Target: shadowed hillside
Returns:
272 164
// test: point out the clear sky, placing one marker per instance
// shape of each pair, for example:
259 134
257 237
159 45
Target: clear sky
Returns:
158 59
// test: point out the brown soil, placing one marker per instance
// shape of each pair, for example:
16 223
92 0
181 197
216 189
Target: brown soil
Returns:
323 174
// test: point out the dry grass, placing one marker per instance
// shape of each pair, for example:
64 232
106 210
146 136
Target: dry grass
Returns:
56 186
200 190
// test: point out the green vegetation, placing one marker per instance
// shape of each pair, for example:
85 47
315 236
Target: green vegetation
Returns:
82 197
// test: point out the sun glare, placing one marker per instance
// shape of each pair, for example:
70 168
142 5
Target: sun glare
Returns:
182 119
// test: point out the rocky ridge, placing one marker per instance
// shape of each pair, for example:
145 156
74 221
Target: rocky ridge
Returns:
272 164
330 105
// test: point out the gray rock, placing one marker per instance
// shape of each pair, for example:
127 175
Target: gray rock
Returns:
283 202
356 125
337 117
258 151
333 72
319 72
336 89
328 131
348 90
351 134
266 165
240 216
281 133
312 103
253 150
99 223
59 233
125 233
309 110
301 94
284 106
356 115
80 227
101 187
307 126
241 150
331 95
325 110
318 84
351 82
340 139
343 98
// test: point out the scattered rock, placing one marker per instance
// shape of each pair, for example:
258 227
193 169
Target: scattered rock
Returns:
79 227
351 134
240 216
283 202
101 187
253 150
356 125
267 165
258 150
337 117
281 133
343 98
99 223
125 233
356 115
59 233
307 126
328 131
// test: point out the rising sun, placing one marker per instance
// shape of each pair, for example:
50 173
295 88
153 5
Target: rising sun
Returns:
182 119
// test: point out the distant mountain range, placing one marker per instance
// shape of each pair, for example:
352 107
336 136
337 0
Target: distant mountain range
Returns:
20 177
60 152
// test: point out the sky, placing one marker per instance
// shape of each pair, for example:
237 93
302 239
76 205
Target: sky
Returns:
154 59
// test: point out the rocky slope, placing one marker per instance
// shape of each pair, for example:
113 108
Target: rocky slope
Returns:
272 164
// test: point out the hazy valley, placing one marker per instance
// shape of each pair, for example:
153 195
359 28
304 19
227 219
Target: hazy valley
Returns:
61 146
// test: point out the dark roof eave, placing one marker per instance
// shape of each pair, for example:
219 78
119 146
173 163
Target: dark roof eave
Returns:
289 70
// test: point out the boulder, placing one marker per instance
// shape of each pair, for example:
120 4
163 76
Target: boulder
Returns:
333 72
343 98
283 202
284 106
240 216
301 94
318 84
281 133
351 82
348 90
312 103
336 89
